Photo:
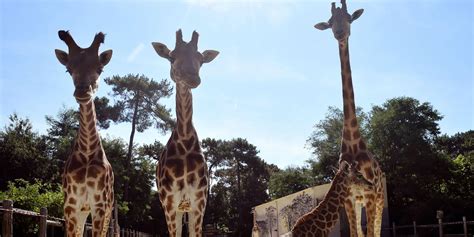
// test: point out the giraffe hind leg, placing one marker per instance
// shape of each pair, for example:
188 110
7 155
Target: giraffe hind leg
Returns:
75 223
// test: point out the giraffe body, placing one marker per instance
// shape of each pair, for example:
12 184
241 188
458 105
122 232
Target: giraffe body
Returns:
182 174
88 177
322 219
353 147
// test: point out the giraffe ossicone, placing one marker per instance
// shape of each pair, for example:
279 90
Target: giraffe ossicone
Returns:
353 148
88 179
182 175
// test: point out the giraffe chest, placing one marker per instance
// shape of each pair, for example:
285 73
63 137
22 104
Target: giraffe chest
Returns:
87 172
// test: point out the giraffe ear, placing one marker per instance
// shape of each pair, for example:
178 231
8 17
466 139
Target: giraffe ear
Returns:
162 50
105 57
322 26
209 55
356 14
62 56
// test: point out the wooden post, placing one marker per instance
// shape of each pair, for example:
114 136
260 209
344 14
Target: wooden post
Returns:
394 230
464 223
7 224
43 225
414 228
116 224
439 215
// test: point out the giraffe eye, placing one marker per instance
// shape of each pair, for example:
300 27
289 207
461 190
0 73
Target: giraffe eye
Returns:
68 71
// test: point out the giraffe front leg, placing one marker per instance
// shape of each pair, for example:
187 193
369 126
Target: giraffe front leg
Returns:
350 206
174 221
101 219
378 216
370 213
195 223
358 212
75 222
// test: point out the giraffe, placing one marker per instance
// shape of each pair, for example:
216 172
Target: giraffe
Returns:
353 147
255 229
182 175
322 219
88 178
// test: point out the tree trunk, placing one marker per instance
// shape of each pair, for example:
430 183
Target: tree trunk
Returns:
130 145
239 195
132 134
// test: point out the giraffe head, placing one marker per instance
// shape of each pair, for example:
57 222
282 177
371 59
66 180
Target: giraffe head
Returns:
185 59
84 64
340 21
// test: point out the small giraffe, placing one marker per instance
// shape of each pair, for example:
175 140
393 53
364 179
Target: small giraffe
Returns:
353 148
88 179
322 219
255 229
182 175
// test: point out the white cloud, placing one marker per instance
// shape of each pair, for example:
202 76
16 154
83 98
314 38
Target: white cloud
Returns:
131 57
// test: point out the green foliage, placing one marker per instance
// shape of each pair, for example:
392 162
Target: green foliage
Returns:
242 181
20 147
106 113
32 196
135 210
139 101
288 181
403 132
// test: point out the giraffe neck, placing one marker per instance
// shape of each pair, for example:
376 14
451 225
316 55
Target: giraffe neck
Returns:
88 139
184 112
335 197
325 216
351 130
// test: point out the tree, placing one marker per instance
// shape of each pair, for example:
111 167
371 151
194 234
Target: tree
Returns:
139 104
241 182
23 153
60 137
135 211
459 149
106 113
288 181
33 196
403 132
325 141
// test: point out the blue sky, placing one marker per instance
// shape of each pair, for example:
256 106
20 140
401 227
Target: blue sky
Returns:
275 76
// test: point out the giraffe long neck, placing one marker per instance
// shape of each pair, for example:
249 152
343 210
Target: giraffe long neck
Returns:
184 111
88 139
325 216
350 130
335 197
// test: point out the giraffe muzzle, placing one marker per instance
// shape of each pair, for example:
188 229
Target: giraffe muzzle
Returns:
83 93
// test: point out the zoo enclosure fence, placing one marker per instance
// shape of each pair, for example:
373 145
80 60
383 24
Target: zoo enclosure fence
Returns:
7 211
441 229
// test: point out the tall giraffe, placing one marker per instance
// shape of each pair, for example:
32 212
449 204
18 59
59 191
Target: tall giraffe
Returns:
353 148
88 179
322 219
182 175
